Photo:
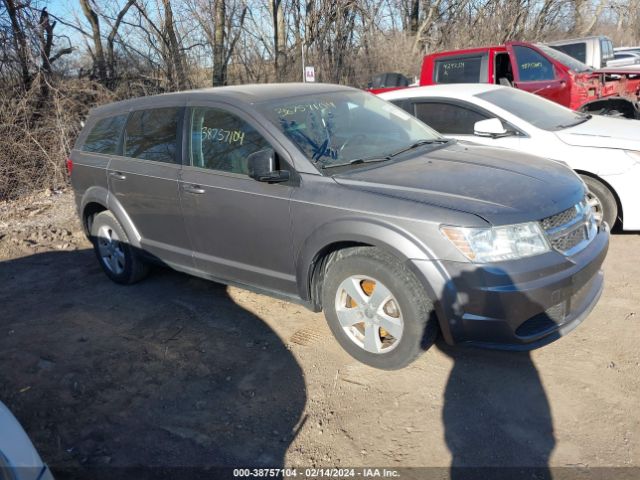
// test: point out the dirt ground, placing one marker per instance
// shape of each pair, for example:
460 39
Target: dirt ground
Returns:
178 371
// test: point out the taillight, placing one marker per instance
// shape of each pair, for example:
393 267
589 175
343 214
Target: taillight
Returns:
69 166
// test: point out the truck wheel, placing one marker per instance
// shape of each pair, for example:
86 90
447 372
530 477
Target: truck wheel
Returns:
377 309
602 201
117 257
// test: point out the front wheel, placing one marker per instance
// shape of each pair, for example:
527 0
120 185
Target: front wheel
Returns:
602 201
377 309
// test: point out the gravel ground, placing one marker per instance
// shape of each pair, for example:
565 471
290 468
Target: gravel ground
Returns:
178 371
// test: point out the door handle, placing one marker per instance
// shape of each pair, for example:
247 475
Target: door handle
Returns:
118 176
193 189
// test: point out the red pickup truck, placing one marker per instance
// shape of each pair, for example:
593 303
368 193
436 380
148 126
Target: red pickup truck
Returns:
539 69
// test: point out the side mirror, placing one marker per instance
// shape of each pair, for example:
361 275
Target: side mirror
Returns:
262 164
492 127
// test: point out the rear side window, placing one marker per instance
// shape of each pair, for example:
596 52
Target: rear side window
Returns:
153 135
532 66
459 70
105 136
575 50
447 118
607 49
221 141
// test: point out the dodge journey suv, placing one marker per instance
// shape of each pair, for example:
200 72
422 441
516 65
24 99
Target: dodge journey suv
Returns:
333 198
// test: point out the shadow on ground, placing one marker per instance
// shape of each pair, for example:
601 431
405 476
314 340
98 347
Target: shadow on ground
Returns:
496 415
166 373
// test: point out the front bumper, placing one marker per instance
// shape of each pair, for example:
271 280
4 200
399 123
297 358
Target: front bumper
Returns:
517 305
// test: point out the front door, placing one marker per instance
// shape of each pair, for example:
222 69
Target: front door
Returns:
534 73
240 229
457 118
145 182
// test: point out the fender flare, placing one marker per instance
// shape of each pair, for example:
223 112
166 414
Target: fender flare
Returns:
361 231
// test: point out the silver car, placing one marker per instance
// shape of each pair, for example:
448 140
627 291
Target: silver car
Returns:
333 198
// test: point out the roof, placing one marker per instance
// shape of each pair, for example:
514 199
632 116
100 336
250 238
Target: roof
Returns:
250 94
578 40
448 90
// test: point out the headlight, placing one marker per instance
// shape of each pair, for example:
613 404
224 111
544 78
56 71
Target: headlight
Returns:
495 244
634 155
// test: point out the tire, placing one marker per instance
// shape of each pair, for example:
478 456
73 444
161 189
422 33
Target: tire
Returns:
406 312
602 200
117 257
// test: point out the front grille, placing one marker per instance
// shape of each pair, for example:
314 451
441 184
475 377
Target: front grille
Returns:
572 229
570 240
559 219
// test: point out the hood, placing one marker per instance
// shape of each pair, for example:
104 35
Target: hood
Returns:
603 132
502 186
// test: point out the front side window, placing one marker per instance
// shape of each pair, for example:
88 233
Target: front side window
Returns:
532 66
345 127
153 135
105 135
459 70
221 141
447 118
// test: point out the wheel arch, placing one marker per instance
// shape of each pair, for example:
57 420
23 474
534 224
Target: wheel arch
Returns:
98 199
627 107
610 188
321 247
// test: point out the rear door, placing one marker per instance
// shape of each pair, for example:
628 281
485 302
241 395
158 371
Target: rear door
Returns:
534 72
240 229
144 181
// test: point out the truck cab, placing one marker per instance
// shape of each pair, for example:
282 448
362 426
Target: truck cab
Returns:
538 69
595 51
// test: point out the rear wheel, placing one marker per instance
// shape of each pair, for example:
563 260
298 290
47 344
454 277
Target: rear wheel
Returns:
377 309
117 257
602 201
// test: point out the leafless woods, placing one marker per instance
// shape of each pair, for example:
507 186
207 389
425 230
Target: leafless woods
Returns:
56 62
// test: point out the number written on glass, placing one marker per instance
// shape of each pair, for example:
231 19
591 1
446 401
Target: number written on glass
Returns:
222 135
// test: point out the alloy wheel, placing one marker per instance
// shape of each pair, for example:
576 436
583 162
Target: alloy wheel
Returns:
369 314
110 249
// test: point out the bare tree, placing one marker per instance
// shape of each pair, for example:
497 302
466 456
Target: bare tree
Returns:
15 11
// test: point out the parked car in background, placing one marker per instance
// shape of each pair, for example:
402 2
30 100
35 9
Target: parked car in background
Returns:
389 80
19 460
333 198
630 58
626 49
604 151
595 51
538 69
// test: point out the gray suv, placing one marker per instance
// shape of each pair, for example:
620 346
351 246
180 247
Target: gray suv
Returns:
333 198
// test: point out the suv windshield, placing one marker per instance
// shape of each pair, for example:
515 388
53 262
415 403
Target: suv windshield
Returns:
347 127
574 64
539 112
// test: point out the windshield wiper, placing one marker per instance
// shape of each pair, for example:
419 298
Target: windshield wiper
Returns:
418 144
358 161
580 120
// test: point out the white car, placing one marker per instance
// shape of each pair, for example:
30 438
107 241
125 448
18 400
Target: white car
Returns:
604 151
18 458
